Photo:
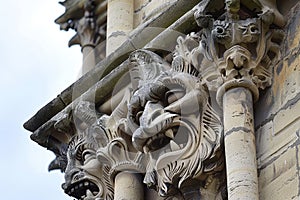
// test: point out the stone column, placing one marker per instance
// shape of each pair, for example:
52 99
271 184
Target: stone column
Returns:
88 19
241 53
125 171
119 23
128 186
239 140
89 58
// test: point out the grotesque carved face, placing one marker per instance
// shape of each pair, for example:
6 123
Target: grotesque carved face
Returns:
176 128
84 174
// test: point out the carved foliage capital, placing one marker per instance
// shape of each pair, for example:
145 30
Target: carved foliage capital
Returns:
84 18
238 45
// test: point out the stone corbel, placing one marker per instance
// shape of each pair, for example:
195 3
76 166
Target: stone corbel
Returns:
175 127
86 177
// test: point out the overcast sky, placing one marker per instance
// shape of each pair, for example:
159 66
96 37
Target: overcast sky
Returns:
36 65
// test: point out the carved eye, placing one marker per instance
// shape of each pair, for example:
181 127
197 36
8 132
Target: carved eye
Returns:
88 155
220 30
174 94
253 29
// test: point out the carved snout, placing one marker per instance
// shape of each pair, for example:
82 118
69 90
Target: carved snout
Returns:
153 121
71 177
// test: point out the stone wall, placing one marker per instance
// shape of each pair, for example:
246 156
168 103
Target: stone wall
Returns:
278 121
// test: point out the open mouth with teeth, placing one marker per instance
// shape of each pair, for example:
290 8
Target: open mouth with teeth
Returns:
170 140
83 190
164 148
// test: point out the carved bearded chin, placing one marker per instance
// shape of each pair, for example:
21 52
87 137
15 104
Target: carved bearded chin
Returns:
176 128
84 172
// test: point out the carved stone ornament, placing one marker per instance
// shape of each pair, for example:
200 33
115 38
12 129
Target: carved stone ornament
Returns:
119 153
237 47
85 19
176 128
166 128
98 151
86 178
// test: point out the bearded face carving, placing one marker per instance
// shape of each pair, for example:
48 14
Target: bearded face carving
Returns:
177 129
85 176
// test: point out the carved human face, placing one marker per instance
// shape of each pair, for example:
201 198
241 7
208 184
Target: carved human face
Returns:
168 115
84 172
243 32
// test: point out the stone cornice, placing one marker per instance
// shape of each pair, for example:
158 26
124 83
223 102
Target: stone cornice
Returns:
114 60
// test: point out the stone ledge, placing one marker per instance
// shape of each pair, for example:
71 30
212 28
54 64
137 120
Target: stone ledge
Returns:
163 20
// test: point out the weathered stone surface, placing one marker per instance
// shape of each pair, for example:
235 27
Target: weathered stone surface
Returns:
146 9
239 144
163 20
163 127
280 179
286 77
278 122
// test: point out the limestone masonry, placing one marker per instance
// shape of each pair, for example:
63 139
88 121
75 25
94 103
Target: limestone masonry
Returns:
178 99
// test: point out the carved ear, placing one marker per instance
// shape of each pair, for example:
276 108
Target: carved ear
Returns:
145 67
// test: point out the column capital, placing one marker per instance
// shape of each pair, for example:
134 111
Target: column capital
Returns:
87 18
239 46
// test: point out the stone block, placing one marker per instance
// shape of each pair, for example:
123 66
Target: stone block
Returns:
279 179
264 138
270 145
286 118
284 187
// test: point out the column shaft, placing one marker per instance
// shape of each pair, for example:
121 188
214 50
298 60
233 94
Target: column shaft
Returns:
240 151
128 186
89 59
119 23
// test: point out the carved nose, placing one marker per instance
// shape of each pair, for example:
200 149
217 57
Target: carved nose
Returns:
152 112
72 176
238 60
64 186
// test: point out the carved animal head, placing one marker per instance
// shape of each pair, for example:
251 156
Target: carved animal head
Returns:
85 175
177 129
